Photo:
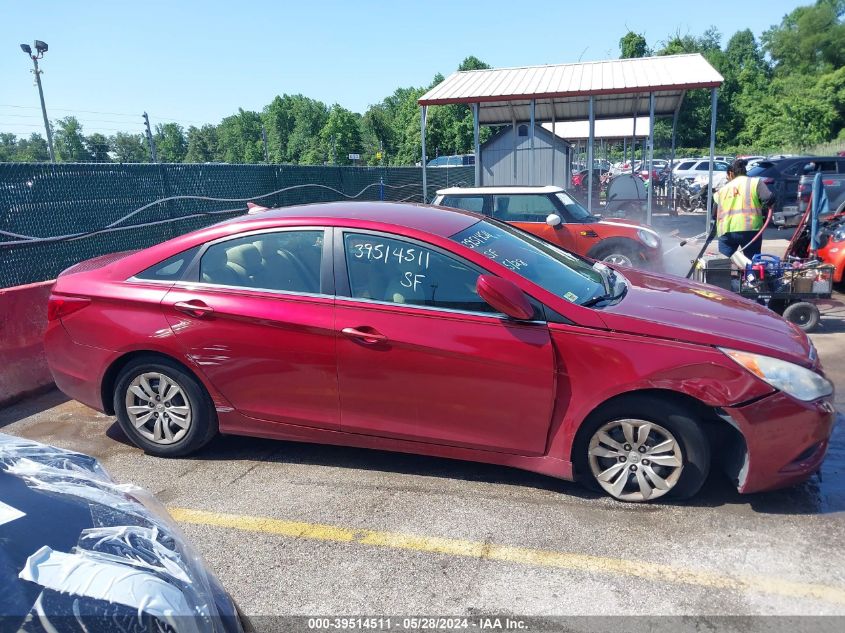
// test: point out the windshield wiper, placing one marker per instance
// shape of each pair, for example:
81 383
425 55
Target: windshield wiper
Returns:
621 288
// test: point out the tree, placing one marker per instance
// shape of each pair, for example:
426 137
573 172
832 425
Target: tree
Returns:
341 135
202 144
469 63
239 138
69 141
8 147
632 45
32 150
809 39
170 143
98 146
130 148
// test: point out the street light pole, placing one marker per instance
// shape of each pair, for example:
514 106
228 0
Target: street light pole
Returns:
41 48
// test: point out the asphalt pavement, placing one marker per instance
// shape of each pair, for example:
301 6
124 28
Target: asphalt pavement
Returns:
326 531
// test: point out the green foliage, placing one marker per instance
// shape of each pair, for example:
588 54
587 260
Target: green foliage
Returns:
98 146
69 141
32 150
130 148
633 45
202 144
239 138
341 135
170 143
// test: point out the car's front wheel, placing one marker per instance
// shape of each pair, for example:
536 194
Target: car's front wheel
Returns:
162 408
645 448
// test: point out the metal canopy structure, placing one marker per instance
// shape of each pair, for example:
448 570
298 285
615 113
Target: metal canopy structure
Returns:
612 89
605 129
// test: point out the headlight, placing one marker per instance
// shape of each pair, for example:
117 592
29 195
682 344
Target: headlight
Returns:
797 381
839 234
648 238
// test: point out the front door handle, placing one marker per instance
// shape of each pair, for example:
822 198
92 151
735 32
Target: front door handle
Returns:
370 338
194 308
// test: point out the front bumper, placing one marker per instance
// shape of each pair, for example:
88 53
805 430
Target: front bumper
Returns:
786 440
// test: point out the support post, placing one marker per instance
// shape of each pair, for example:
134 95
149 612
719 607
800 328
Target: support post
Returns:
150 140
515 142
672 157
476 144
713 106
47 129
554 143
531 145
423 110
650 157
590 142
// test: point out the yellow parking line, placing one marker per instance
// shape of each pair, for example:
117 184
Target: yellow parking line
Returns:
511 554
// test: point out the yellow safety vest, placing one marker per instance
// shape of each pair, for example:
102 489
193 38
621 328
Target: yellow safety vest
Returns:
739 206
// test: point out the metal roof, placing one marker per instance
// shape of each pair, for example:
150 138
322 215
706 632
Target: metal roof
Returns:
621 88
608 129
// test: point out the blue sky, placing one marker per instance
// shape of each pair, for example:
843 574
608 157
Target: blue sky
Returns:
195 61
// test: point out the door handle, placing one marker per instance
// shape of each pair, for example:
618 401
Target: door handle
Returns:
370 338
194 308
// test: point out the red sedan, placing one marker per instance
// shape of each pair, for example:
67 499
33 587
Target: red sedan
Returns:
440 332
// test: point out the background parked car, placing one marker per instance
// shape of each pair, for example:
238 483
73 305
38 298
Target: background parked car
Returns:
529 208
783 177
693 167
80 553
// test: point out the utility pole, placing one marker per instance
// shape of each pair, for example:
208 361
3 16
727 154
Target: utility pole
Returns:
41 48
264 139
150 140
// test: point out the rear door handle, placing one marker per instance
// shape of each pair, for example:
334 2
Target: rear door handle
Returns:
370 338
194 308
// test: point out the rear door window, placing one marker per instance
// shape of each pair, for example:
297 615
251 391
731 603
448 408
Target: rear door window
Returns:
523 208
287 261
685 166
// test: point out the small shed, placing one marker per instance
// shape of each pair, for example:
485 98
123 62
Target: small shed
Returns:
506 158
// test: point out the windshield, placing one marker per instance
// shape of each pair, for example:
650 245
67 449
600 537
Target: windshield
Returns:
554 269
575 210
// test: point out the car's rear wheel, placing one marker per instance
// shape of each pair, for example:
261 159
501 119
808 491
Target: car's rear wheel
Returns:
162 408
644 448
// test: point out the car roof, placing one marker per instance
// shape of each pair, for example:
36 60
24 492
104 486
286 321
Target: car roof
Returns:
421 217
455 191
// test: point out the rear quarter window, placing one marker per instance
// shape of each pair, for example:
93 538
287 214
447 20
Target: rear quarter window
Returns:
171 269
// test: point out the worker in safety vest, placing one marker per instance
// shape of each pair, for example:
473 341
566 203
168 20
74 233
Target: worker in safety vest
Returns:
740 211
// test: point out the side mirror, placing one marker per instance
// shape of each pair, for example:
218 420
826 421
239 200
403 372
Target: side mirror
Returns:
553 219
504 296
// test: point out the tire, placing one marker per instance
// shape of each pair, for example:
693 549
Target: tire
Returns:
619 253
684 464
803 314
166 422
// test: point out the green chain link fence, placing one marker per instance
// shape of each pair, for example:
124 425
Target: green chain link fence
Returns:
47 201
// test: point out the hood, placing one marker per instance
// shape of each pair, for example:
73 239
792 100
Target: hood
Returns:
671 307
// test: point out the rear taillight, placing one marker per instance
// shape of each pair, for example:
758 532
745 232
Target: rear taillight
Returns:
59 307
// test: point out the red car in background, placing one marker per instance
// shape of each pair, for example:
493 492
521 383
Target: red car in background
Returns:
440 332
551 213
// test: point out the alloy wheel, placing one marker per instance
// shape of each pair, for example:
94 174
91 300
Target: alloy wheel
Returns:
619 259
158 408
635 460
